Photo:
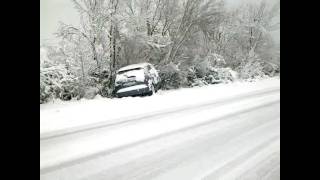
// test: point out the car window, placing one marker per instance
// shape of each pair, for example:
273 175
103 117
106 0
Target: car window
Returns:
122 72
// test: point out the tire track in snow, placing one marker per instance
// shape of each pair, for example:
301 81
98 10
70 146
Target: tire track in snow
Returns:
153 165
161 136
55 134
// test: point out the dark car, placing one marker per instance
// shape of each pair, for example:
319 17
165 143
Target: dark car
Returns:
136 79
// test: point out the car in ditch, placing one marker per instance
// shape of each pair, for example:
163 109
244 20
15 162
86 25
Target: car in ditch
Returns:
136 80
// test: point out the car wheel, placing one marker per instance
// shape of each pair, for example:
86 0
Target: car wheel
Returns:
157 88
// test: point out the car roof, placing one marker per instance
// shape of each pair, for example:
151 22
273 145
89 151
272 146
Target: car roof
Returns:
133 66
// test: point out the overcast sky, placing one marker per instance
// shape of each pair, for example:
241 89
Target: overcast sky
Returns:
53 11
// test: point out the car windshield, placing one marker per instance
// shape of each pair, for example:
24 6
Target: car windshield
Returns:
136 74
125 71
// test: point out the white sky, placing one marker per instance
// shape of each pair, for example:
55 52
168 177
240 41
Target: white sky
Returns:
53 11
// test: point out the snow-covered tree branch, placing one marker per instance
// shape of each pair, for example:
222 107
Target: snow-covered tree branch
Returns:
187 40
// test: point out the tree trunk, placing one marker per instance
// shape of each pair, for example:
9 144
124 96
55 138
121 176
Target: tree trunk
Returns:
148 28
95 57
82 68
114 54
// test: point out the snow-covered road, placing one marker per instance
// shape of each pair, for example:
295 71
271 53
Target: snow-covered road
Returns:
227 132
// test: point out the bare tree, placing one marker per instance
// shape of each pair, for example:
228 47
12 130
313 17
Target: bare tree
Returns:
113 38
195 14
93 22
257 22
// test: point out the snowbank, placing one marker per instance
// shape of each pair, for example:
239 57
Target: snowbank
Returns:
61 115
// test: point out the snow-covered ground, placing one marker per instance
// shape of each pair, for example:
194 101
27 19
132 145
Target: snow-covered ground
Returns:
58 116
216 132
